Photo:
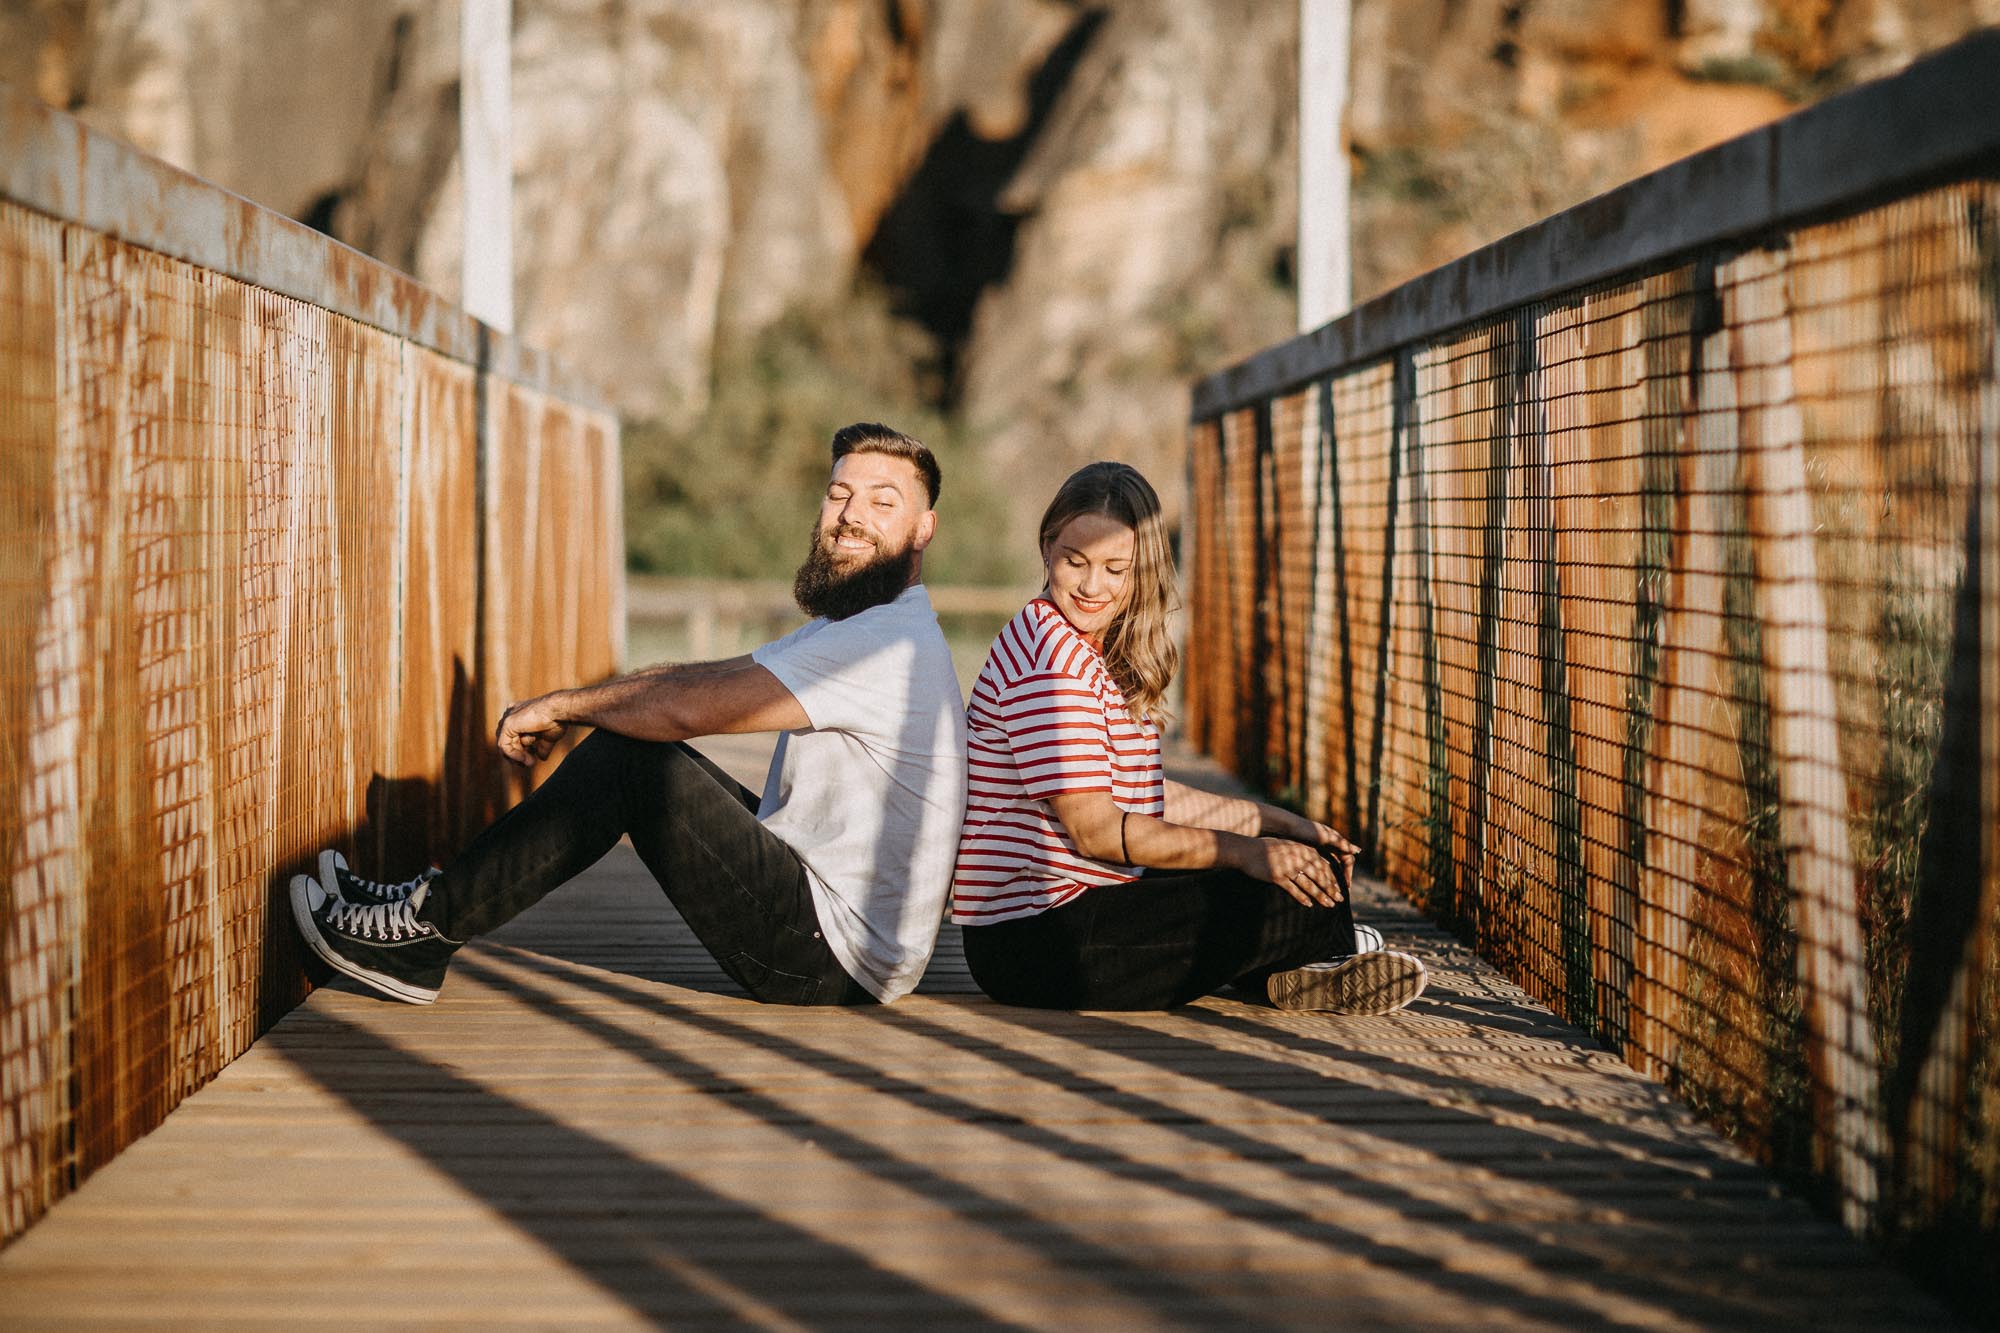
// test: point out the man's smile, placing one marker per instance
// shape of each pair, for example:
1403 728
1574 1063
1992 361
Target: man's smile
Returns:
851 541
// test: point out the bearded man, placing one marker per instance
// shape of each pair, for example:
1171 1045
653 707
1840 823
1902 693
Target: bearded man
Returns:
827 890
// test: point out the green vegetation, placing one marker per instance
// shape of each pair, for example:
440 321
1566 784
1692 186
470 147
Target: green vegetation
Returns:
1759 70
1413 176
729 490
1756 70
1914 641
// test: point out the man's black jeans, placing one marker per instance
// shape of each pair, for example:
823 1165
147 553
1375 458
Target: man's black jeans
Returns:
1164 939
741 890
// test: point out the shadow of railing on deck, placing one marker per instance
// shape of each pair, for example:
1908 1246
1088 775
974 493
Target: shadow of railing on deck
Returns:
1061 1245
1603 1285
680 1277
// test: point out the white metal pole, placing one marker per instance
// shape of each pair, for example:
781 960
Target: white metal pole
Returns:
1326 281
486 160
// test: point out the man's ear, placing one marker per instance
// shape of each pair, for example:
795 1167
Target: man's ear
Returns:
926 529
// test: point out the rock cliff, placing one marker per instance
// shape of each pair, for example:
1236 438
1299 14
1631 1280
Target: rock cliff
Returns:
1084 204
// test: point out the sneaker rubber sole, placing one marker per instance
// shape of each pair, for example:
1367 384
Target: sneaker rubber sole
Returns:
1379 982
396 988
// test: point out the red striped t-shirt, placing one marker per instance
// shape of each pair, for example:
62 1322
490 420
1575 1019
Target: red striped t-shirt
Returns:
1046 719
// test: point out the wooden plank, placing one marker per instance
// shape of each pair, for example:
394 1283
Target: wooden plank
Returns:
1691 639
590 1126
38 842
1515 907
1943 1062
1410 772
1325 664
1364 436
1596 418
1805 730
1289 508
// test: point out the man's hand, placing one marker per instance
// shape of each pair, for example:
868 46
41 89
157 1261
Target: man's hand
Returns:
529 731
1296 867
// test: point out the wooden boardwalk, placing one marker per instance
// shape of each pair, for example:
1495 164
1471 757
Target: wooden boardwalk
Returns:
592 1127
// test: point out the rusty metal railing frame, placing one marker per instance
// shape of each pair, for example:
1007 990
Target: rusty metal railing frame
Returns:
1929 131
376 386
55 164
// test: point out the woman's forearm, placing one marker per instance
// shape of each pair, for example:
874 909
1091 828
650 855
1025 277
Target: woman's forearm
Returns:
1235 814
1162 844
1103 832
1200 809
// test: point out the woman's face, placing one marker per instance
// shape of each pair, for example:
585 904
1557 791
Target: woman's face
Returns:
1090 571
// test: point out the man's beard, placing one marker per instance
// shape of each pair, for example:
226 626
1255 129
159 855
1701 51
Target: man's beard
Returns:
823 589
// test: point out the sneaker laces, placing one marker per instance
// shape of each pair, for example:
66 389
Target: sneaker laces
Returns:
389 921
376 889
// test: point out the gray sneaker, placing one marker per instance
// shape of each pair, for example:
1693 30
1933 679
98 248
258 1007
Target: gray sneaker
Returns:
1378 982
337 879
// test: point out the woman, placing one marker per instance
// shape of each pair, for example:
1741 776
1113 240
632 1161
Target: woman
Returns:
1085 880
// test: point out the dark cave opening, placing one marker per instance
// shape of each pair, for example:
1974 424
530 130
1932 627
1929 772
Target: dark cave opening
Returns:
946 238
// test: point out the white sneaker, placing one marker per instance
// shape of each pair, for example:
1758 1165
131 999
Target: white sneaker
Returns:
1377 982
1367 939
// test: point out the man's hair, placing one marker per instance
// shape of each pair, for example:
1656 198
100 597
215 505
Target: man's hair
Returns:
872 437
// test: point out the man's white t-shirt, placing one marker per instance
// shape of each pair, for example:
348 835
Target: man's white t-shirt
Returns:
872 794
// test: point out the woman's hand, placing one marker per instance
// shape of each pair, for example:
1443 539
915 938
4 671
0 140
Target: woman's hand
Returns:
1309 861
529 731
1279 823
1335 844
1296 867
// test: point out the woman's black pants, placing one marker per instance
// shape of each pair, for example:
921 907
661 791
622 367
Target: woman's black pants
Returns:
1164 939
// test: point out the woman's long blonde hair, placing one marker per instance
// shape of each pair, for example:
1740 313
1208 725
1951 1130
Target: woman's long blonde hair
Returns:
1138 650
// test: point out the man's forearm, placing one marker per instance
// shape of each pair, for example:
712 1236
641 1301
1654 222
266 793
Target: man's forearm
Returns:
632 704
640 703
677 703
685 670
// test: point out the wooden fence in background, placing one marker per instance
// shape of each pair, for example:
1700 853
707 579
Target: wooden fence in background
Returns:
279 531
1631 589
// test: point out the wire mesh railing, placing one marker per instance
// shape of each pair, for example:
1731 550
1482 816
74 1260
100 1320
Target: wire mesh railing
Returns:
267 569
1646 630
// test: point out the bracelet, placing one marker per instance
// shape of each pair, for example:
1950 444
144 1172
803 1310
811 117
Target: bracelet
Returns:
1123 859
